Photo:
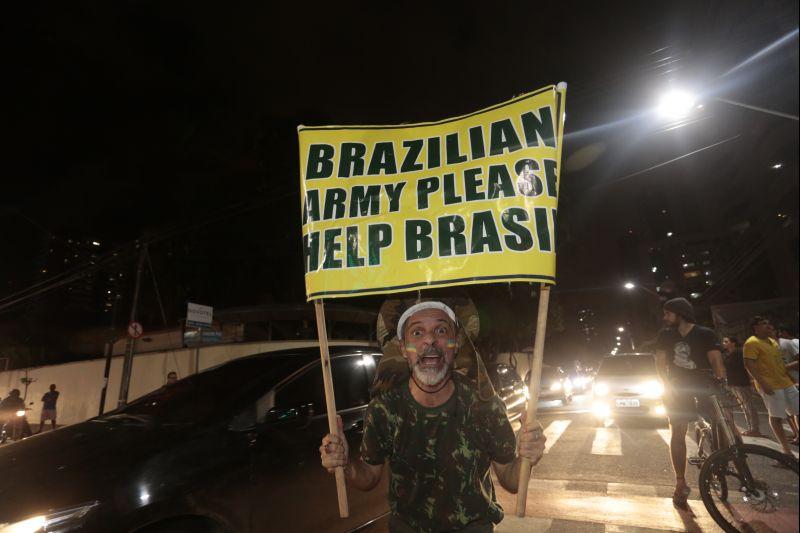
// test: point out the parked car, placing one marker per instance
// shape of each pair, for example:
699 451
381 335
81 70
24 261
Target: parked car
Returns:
510 388
555 384
234 449
627 385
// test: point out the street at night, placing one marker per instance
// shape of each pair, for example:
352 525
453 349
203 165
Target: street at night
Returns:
400 267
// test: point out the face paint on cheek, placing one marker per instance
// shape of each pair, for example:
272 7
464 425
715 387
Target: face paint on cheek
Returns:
451 343
410 348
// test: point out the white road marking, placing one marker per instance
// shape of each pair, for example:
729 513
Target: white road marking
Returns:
631 489
607 441
763 441
554 430
691 446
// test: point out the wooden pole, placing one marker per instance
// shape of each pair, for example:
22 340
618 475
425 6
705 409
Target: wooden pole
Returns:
533 389
330 401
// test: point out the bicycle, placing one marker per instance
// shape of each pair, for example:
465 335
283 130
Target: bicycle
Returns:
744 487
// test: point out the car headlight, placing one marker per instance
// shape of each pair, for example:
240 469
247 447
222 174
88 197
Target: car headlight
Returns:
20 413
62 521
556 386
567 385
600 389
651 389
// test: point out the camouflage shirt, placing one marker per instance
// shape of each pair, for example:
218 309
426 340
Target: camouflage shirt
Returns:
439 457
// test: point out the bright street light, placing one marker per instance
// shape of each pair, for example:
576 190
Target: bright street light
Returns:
629 285
620 329
776 166
676 104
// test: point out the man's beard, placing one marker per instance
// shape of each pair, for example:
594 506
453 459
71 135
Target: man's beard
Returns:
431 376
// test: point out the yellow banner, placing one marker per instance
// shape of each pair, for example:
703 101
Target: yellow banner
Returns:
465 200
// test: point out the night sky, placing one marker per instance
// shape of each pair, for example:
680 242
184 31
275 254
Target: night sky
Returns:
177 120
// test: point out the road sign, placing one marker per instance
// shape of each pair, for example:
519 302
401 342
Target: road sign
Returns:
199 315
135 330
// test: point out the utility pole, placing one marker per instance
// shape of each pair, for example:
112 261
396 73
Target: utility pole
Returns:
127 365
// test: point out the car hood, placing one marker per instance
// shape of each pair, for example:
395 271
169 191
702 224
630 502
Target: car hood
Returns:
625 383
73 465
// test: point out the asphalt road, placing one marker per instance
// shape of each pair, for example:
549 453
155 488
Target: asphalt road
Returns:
614 476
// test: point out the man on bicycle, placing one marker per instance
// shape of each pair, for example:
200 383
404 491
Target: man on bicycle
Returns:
688 359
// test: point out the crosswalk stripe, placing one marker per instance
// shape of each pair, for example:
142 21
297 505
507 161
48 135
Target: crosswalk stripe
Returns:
762 441
554 430
607 441
691 446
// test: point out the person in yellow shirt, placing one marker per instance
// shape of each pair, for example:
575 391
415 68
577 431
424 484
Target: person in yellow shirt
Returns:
763 360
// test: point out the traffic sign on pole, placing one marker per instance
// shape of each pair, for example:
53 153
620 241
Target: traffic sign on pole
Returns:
135 330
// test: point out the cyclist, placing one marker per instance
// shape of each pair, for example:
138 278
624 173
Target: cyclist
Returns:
689 360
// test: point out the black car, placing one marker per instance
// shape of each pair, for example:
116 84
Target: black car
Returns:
234 448
510 388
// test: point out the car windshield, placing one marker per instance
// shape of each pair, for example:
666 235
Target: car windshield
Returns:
551 373
203 395
636 365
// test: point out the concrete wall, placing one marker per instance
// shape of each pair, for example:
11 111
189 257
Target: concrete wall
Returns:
80 383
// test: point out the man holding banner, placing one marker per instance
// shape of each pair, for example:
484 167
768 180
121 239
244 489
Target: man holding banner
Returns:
437 434
388 209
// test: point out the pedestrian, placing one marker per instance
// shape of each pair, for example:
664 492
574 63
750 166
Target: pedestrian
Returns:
49 407
172 378
739 381
689 362
788 343
10 405
438 434
763 360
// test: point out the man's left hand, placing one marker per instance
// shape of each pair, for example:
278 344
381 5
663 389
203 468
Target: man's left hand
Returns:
530 443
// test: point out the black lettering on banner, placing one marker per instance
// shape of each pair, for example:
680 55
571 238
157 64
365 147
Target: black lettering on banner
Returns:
471 184
311 251
539 126
331 247
503 136
499 183
365 200
426 187
542 228
528 182
419 244
520 239
334 203
382 160
410 160
320 161
353 259
551 177
553 212
452 240
351 159
453 150
476 142
379 236
434 152
393 192
450 195
311 206
484 233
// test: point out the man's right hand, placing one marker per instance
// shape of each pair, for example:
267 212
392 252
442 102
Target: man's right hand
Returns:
334 450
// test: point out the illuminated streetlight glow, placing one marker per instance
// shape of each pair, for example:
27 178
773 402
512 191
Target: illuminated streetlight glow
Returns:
620 329
669 234
776 166
629 285
675 104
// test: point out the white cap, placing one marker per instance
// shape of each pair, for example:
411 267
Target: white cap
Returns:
419 307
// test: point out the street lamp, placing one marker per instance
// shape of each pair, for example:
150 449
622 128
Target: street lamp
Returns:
620 329
629 286
677 104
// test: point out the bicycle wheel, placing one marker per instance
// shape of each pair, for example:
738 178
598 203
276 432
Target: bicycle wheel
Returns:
769 503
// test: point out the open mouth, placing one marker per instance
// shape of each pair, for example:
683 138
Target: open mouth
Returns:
431 360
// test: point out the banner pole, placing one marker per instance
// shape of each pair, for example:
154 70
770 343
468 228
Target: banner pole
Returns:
533 389
330 401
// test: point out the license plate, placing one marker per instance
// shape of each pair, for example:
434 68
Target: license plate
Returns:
627 403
